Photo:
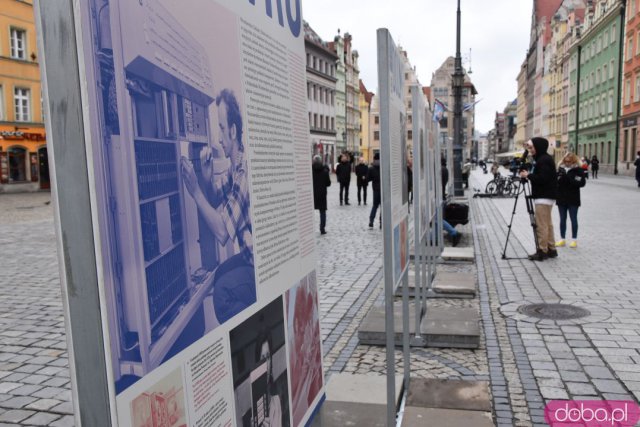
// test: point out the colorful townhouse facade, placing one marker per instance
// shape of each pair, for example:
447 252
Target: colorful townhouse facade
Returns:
597 59
24 162
630 119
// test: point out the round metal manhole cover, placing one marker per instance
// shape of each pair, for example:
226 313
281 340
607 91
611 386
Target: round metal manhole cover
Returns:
553 311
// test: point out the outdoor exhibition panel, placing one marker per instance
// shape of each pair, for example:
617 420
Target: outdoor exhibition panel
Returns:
198 285
395 200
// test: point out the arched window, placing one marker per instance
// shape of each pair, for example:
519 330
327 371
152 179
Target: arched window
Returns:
17 164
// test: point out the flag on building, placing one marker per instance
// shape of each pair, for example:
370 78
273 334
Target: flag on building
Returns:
469 106
438 111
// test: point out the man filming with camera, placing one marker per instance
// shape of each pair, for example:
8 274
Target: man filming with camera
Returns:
543 179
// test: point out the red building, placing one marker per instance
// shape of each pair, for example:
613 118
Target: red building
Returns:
630 119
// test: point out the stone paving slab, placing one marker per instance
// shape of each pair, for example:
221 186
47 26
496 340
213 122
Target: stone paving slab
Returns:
449 394
421 417
340 414
458 253
442 327
455 284
367 389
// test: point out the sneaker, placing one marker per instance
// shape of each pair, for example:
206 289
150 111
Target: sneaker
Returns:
561 243
323 232
347 204
456 239
552 253
574 244
370 225
538 256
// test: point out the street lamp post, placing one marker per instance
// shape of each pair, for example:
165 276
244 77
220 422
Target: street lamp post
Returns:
458 82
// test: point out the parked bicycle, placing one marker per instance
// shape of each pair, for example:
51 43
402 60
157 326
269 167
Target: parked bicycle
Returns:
503 186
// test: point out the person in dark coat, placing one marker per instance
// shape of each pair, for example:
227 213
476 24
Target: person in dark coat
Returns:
544 187
570 180
343 171
595 167
361 180
373 176
321 180
637 165
410 180
444 172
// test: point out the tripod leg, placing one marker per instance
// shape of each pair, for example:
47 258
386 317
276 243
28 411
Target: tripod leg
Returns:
513 214
532 214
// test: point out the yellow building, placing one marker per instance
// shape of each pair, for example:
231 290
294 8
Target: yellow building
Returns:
23 150
365 124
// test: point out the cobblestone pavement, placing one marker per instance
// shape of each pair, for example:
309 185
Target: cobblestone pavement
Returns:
532 361
527 361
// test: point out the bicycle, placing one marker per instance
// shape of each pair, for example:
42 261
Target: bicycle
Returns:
503 186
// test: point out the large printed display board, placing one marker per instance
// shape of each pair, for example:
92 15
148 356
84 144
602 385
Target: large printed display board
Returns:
198 154
394 133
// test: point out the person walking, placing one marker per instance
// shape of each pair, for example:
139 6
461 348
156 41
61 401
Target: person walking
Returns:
361 180
637 165
570 180
321 180
595 166
544 183
466 170
343 172
585 167
495 170
444 172
410 180
373 176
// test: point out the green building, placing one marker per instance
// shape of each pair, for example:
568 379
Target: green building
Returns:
595 75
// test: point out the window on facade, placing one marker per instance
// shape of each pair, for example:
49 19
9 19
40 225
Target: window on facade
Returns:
610 107
627 91
22 108
598 76
333 123
2 114
593 80
630 49
376 136
17 164
636 94
596 109
18 42
605 72
315 92
605 41
410 135
315 120
603 105
310 121
613 33
376 120
612 68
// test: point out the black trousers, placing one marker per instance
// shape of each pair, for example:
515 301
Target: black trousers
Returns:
344 191
362 187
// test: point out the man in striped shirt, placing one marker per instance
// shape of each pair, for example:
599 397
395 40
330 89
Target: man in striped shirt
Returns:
223 204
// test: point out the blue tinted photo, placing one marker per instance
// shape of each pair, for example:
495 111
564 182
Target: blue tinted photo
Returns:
171 174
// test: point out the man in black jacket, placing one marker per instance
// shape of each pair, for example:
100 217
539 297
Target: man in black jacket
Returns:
373 176
343 172
544 188
321 181
361 180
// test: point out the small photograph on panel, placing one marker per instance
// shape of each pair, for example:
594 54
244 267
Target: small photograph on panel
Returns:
259 361
173 178
305 352
162 405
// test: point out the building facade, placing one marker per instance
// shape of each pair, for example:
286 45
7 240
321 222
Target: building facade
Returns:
630 119
442 90
24 162
521 132
347 93
365 100
321 96
597 57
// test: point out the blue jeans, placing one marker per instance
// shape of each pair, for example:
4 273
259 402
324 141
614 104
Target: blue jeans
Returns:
451 231
573 213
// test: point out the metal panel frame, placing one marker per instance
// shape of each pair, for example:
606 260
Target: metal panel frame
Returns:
71 177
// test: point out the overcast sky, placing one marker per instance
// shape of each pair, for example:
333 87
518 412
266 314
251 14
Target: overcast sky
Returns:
497 31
